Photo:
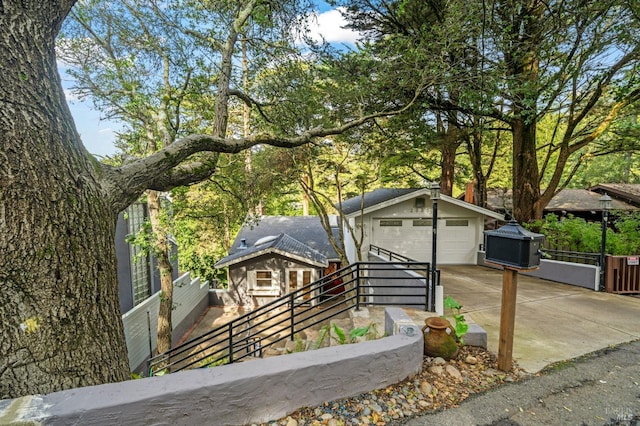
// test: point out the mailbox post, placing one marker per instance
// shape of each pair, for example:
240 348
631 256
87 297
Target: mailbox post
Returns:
515 249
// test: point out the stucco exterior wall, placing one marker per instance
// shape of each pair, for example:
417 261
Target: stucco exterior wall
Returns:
577 274
239 278
250 392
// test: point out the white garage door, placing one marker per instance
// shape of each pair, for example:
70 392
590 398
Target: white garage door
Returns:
408 237
457 241
412 238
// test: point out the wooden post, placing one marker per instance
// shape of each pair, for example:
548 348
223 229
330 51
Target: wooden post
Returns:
507 318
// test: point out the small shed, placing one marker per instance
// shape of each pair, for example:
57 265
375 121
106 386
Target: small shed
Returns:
278 254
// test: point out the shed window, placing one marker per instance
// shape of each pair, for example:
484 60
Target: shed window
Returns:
264 279
422 222
390 222
264 282
457 222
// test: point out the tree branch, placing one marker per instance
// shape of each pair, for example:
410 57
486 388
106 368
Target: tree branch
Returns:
125 183
250 102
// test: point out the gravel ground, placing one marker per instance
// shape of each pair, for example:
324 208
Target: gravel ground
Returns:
441 384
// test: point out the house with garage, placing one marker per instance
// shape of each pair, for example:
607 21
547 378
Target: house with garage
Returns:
401 221
277 255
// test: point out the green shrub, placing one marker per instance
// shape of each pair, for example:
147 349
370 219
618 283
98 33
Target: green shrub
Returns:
576 234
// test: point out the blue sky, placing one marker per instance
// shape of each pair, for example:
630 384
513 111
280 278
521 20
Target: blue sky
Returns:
99 135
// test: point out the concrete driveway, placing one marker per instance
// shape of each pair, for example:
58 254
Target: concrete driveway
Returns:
553 322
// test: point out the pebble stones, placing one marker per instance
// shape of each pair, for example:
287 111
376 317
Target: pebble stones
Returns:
453 372
425 387
440 384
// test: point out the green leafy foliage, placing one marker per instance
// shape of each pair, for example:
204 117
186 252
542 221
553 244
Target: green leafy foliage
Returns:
461 327
576 234
340 335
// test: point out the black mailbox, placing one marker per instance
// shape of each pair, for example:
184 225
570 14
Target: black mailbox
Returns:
512 245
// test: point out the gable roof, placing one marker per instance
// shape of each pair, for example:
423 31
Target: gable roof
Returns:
627 192
281 244
373 198
385 197
306 229
567 200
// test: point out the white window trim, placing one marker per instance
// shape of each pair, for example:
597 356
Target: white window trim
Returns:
253 288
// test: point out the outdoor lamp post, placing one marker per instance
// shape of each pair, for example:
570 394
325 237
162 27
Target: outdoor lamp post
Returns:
605 205
435 196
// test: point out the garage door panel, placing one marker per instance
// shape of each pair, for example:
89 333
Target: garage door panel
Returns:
456 239
408 240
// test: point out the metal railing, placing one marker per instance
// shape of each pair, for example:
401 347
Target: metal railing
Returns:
572 256
362 283
382 252
584 258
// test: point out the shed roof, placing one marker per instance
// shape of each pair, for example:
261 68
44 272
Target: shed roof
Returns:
627 192
306 229
280 244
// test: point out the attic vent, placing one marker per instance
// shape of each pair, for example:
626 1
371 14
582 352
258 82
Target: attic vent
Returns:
419 203
265 240
243 244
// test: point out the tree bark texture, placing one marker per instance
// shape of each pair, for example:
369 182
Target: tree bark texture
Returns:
522 61
61 325
448 164
161 252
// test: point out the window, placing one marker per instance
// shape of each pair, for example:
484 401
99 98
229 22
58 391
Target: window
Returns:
422 222
263 282
139 261
457 222
263 279
390 222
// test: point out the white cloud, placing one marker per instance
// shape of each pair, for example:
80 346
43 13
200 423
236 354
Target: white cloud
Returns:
330 25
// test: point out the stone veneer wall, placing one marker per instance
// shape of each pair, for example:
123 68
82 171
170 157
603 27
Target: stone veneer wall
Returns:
244 393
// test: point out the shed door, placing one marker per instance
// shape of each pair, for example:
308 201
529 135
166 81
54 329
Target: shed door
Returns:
298 278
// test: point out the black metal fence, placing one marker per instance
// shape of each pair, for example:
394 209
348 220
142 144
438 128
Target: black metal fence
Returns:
572 256
362 283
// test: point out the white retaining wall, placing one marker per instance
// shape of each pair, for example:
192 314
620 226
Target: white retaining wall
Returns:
577 274
190 297
238 394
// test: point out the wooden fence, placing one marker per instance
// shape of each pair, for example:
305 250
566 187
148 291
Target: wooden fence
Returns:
622 274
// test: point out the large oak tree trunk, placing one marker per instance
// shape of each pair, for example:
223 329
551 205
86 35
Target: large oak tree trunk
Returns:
59 306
